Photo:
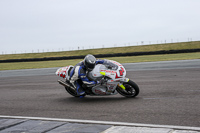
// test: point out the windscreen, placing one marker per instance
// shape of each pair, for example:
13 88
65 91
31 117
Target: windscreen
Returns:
110 65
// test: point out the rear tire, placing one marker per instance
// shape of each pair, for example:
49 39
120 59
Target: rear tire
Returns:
73 92
132 89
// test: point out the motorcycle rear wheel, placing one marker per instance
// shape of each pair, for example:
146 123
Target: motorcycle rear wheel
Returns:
73 92
131 89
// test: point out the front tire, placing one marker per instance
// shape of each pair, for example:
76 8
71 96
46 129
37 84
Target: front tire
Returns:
131 89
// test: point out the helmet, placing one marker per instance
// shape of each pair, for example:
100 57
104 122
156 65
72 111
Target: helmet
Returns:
89 62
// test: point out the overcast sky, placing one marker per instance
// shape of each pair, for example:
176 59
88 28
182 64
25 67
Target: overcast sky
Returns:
29 25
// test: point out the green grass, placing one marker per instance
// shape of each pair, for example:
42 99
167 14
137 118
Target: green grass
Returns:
128 59
145 48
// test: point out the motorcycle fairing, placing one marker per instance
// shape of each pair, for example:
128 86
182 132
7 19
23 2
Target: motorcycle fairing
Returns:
64 72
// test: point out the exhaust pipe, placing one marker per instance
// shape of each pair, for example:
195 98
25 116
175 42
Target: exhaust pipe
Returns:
66 84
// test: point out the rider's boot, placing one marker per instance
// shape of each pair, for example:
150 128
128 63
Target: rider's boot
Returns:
79 89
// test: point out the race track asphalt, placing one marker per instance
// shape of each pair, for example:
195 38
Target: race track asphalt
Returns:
169 95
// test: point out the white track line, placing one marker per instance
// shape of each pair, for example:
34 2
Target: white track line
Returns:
105 122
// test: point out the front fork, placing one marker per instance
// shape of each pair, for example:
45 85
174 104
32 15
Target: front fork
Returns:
121 83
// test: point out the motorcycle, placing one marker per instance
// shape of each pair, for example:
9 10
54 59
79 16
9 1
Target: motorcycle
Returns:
113 75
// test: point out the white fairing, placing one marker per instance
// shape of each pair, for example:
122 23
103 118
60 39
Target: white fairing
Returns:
115 73
112 69
95 74
64 72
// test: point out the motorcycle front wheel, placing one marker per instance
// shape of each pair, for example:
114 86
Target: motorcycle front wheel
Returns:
131 89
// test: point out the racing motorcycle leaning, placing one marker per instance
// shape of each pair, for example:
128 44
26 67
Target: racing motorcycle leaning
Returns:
113 75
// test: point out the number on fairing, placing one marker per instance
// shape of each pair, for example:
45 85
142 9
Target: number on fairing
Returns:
121 71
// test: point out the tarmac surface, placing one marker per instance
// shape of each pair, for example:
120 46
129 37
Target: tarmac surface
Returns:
169 95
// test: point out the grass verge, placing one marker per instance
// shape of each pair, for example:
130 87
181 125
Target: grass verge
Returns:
128 59
129 49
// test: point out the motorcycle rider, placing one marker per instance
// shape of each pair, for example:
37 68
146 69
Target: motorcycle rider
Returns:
79 73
